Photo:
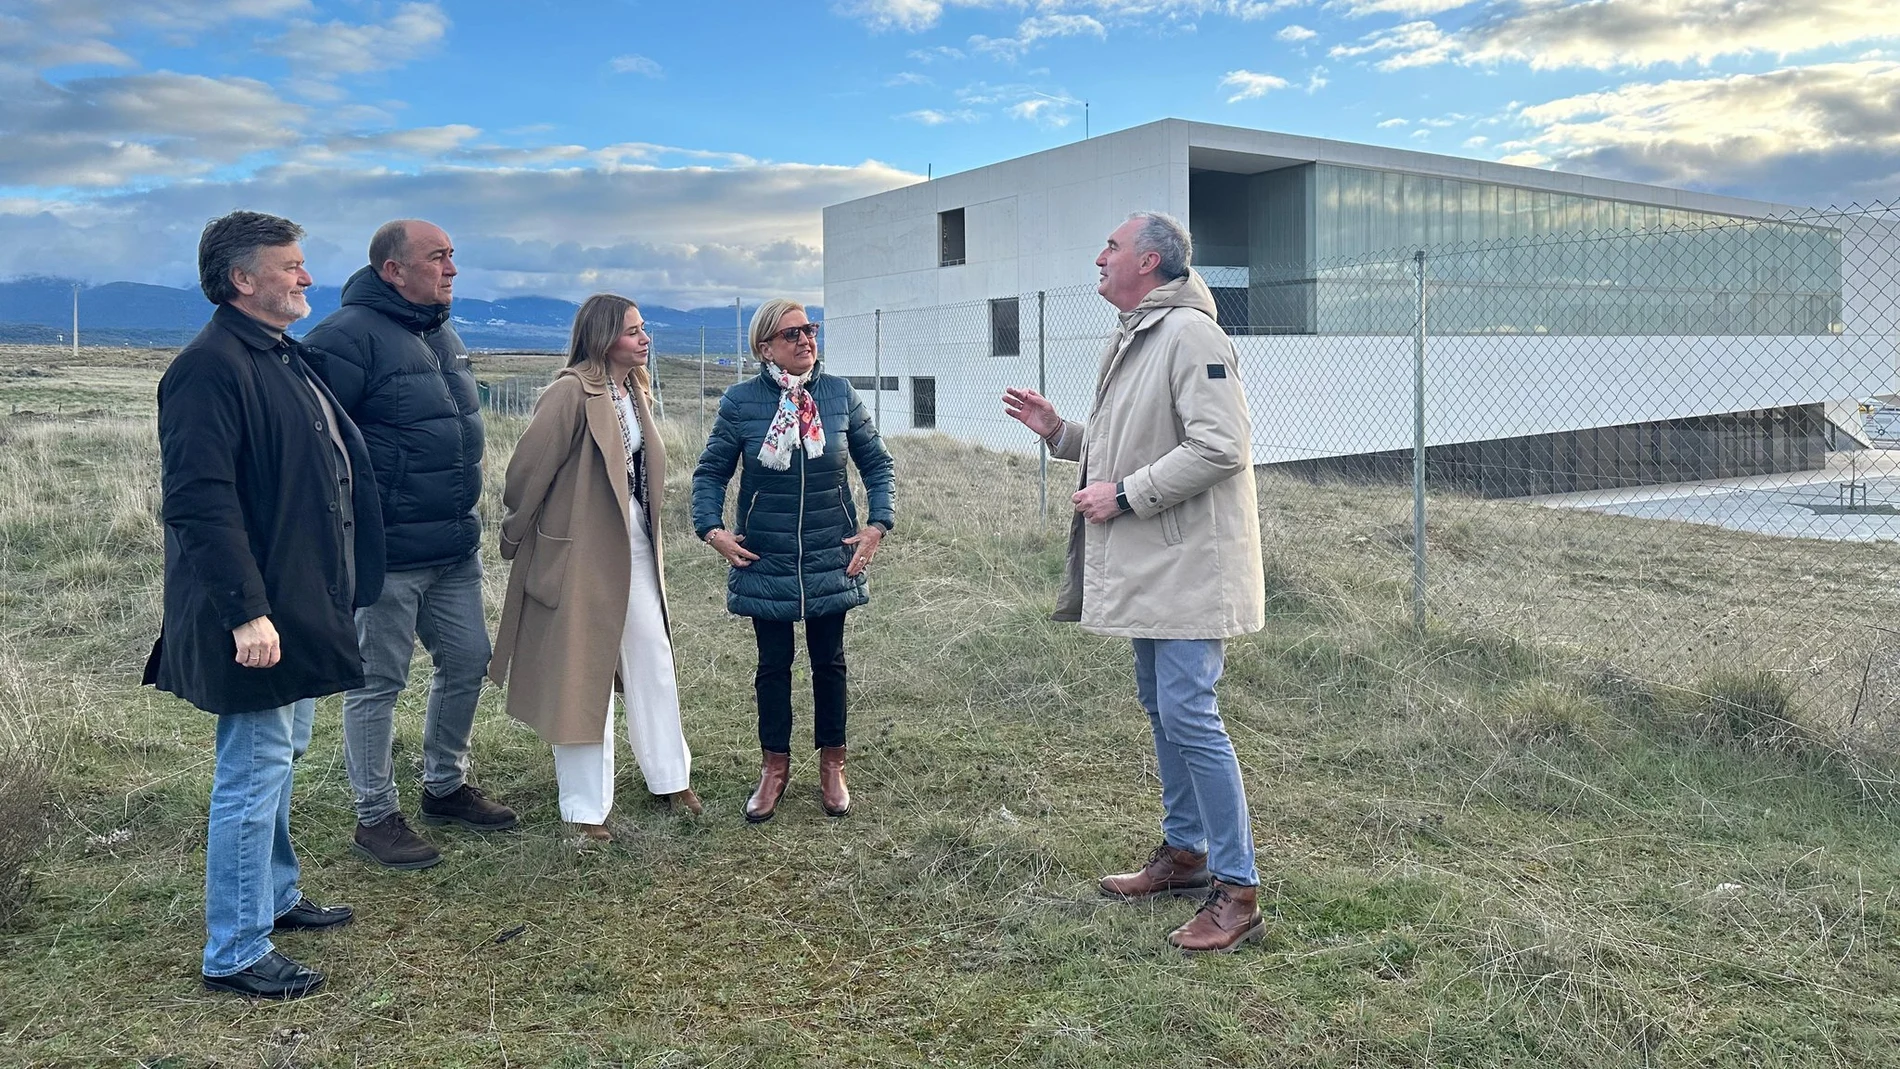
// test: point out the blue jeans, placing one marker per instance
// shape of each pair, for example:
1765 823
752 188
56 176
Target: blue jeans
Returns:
1204 805
443 607
250 868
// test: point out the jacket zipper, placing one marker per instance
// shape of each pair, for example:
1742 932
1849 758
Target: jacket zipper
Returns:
746 520
443 362
801 534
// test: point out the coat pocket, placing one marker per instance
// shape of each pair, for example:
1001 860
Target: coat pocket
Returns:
547 571
1171 525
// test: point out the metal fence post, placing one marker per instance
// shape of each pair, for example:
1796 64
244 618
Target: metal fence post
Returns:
1042 387
1418 450
702 374
877 368
738 342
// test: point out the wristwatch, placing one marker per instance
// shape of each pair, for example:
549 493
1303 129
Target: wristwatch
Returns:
1121 498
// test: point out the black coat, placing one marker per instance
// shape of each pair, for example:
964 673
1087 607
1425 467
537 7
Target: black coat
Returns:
403 376
796 519
252 525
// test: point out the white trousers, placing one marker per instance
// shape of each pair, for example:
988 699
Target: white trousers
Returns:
584 772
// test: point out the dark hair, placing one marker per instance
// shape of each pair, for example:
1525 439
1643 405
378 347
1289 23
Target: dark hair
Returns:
390 242
234 241
596 327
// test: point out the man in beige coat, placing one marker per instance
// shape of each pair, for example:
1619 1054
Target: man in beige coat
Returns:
1164 550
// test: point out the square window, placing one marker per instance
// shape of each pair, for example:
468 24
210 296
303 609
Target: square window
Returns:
923 403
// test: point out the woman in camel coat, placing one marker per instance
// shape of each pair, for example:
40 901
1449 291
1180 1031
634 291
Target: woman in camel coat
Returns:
585 613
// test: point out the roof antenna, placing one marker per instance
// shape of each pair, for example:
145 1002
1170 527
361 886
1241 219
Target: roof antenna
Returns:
927 171
1085 120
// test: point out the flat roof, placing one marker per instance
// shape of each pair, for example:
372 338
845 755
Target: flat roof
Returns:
1242 150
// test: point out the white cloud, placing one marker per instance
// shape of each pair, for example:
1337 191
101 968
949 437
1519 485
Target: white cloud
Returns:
333 49
1412 44
1607 34
937 53
1250 85
103 132
1800 134
1316 81
1410 9
1296 33
1047 112
1032 30
934 117
903 78
1478 141
1390 123
678 235
916 16
637 64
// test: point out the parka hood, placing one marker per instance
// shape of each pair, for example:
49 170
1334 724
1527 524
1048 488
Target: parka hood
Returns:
368 289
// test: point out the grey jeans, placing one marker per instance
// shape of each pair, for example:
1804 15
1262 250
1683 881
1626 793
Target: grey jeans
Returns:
443 607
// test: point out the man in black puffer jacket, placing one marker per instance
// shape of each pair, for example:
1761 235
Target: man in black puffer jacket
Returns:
395 363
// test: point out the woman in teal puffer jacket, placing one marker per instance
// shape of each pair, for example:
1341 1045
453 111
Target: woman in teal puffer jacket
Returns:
797 549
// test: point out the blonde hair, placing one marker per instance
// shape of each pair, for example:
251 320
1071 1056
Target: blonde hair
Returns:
597 326
765 322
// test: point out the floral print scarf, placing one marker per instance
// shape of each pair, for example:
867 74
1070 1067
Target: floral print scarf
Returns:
796 421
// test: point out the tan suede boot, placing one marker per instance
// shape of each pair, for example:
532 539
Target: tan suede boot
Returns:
775 770
832 791
1170 870
1229 917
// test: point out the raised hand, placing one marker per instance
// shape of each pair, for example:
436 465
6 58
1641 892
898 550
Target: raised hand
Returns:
1032 410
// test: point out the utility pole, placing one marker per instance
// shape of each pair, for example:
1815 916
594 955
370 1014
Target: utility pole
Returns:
75 321
738 342
702 371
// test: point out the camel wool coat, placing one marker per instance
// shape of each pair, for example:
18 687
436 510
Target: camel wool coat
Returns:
1170 423
564 527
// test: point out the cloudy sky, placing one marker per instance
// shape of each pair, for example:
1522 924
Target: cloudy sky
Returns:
682 153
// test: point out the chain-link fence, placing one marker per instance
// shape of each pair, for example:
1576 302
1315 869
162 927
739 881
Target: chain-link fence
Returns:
1590 420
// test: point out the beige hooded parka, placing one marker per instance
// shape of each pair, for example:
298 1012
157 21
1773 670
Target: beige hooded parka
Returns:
1170 422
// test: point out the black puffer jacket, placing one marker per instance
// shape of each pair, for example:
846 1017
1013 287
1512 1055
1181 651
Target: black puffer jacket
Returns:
402 374
795 520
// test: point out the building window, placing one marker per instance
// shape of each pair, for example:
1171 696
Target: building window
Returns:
869 382
950 237
923 403
1006 327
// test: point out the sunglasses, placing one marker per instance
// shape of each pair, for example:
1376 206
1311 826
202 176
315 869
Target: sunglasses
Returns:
790 335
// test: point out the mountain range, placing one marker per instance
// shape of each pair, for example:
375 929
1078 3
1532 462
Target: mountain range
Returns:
40 310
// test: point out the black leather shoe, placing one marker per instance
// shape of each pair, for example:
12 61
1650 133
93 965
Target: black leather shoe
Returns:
271 976
307 914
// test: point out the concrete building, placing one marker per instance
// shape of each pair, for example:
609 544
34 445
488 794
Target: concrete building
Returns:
1582 332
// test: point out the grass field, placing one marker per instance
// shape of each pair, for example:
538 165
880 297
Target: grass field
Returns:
1608 811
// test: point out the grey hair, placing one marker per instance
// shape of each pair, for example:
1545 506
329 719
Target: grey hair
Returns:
390 242
1163 234
236 241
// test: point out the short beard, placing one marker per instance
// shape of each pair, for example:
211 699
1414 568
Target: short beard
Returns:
294 305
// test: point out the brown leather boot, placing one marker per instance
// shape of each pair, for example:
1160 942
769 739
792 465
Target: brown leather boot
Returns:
1170 871
1229 917
775 770
832 792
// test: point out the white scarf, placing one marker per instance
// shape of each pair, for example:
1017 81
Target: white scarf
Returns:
795 421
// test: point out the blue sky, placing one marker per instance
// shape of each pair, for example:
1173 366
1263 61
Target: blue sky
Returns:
682 153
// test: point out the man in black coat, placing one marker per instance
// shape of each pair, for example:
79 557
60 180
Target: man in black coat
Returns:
403 375
273 535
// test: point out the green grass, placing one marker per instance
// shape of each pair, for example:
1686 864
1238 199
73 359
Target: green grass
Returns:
1610 810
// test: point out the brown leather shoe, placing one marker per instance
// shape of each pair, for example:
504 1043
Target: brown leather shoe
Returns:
832 792
687 801
591 833
1170 871
1229 917
775 770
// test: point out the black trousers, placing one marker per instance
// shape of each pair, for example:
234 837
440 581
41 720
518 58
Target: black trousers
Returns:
824 642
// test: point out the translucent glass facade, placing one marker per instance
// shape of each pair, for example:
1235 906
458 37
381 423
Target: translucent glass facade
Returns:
1508 260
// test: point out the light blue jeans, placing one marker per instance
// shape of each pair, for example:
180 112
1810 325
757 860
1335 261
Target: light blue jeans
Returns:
1204 805
443 607
250 868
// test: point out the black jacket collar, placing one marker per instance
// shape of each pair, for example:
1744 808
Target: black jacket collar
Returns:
249 331
368 289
